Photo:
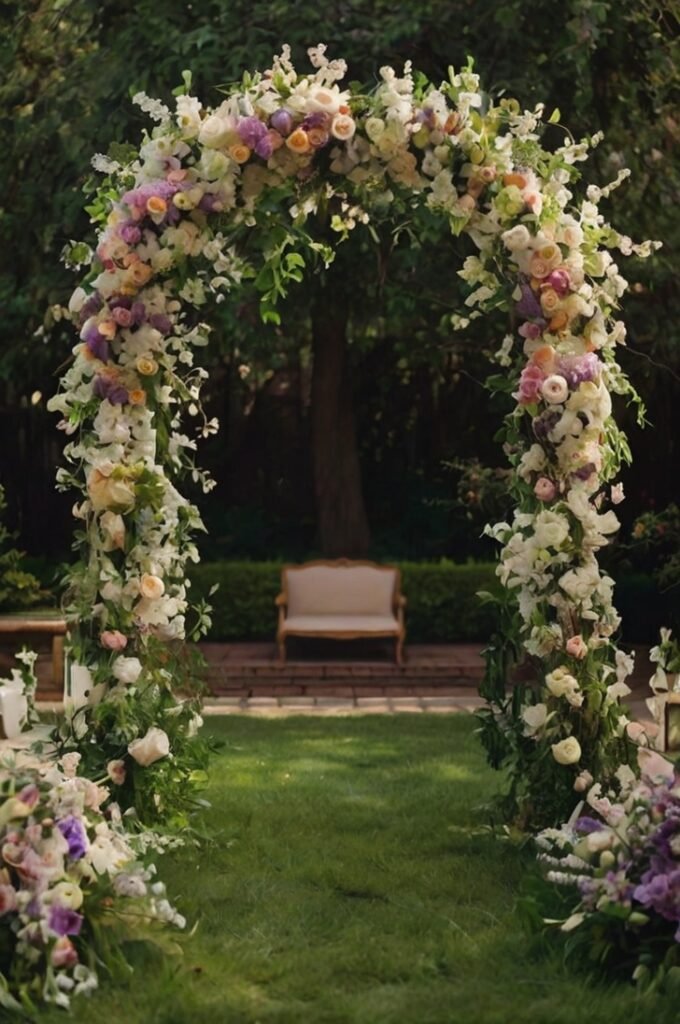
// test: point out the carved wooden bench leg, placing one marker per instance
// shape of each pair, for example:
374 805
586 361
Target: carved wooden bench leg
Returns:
282 649
400 650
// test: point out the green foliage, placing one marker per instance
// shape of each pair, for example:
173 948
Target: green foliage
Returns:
442 602
18 589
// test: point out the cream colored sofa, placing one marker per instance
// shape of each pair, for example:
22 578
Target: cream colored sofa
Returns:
342 600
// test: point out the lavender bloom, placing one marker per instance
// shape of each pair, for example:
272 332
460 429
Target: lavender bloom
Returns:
585 825
130 233
91 306
317 119
96 343
74 833
209 203
138 312
528 306
660 892
63 921
282 122
251 130
140 196
161 322
264 147
106 388
577 369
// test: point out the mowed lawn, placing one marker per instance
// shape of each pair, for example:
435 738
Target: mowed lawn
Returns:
351 880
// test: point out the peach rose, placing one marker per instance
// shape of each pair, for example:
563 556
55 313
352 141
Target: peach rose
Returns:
545 489
108 491
239 153
550 301
149 748
298 141
156 206
539 267
151 586
116 771
137 396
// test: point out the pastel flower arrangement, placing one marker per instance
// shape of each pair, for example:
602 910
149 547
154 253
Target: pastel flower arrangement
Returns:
621 854
70 873
170 223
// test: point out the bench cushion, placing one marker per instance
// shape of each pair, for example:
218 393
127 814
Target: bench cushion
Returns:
341 624
353 590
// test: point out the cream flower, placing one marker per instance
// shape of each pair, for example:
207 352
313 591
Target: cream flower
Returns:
151 587
555 389
126 670
150 748
567 751
343 127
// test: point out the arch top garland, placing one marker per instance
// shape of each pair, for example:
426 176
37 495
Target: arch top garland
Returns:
213 196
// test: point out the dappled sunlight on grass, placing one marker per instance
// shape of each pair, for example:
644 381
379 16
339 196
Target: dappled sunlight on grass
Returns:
352 880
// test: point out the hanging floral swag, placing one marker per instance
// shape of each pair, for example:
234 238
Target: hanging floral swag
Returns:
250 190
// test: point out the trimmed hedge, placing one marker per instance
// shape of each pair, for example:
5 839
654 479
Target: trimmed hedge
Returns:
442 607
442 603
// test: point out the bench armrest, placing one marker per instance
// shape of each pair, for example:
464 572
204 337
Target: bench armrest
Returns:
400 601
280 601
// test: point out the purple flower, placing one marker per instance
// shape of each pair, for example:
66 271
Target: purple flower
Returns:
106 387
63 921
251 130
138 313
585 472
161 322
73 831
585 825
96 343
209 203
264 147
543 424
130 233
91 306
317 119
282 122
528 306
577 369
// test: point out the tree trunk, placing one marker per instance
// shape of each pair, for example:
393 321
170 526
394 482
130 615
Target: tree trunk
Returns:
341 513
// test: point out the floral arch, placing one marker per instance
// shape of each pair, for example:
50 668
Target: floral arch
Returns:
171 218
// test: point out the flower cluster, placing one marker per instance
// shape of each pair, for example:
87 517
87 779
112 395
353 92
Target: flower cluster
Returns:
666 679
282 155
66 864
623 857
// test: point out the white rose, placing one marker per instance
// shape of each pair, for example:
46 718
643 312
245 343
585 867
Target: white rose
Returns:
66 894
534 717
555 389
560 683
215 131
151 587
550 529
567 751
374 126
343 127
126 670
517 238
149 748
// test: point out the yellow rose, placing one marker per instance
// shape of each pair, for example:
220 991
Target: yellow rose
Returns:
147 366
550 301
137 396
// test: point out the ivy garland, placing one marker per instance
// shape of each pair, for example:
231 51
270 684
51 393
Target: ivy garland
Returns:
216 196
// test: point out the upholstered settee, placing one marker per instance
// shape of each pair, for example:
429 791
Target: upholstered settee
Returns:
341 600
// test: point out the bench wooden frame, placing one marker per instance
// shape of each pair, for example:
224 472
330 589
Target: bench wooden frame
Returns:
398 606
26 626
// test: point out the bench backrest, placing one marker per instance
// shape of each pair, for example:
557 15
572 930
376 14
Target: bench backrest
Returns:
340 588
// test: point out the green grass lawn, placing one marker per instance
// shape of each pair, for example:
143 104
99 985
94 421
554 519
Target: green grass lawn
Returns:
349 882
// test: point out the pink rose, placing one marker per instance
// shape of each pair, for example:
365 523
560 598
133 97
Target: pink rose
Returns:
530 330
545 489
64 953
576 646
122 316
113 640
530 385
560 281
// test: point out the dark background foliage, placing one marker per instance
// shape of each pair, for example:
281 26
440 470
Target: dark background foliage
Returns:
67 71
